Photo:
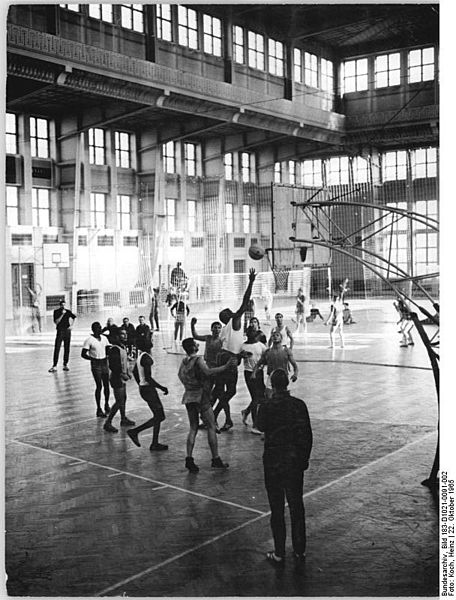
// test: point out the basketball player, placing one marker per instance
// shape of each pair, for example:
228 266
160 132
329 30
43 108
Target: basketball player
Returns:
255 325
232 337
336 321
300 311
148 391
118 365
192 372
284 330
277 356
94 349
252 351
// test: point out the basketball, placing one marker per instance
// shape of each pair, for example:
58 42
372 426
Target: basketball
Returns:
256 252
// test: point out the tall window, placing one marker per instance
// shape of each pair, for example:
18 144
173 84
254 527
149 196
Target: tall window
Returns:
39 137
123 212
123 149
327 75
191 211
238 44
277 172
228 162
424 163
164 22
212 35
338 170
101 11
246 218
171 214
132 17
426 252
12 205
255 50
297 65
11 133
169 157
275 58
311 173
354 75
190 159
97 210
187 27
41 210
310 69
360 170
292 172
387 70
97 148
246 167
421 65
394 165
229 217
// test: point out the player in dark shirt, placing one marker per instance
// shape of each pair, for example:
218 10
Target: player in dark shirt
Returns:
63 319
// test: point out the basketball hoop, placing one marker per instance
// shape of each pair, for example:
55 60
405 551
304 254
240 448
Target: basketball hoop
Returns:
281 274
56 259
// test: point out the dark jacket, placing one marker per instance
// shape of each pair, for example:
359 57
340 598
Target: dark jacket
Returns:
287 430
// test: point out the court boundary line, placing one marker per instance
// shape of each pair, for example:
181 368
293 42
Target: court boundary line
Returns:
242 525
120 472
359 362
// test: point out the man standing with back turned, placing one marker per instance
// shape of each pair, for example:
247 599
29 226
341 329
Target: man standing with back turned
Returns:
63 319
287 446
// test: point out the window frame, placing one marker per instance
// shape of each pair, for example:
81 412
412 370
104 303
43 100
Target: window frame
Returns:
297 65
38 142
212 42
187 27
171 215
229 217
255 54
123 154
247 169
246 218
164 22
360 79
12 205
41 207
228 165
190 162
97 150
238 44
124 215
420 66
11 137
429 163
130 19
276 58
398 166
391 73
104 11
310 175
97 214
311 70
169 157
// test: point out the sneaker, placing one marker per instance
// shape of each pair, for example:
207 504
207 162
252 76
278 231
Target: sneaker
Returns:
244 415
217 463
107 409
403 345
100 413
299 556
134 437
127 422
272 557
110 428
256 431
158 447
190 465
226 427
66 368
202 426
411 343
52 370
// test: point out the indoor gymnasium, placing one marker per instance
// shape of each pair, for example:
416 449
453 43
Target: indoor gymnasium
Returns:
193 191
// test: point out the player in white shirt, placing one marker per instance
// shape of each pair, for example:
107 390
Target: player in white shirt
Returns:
94 349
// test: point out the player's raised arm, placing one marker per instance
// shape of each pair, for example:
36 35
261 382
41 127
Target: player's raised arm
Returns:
248 292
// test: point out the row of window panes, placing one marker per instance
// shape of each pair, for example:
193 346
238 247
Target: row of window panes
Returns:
394 167
250 49
41 208
387 70
191 216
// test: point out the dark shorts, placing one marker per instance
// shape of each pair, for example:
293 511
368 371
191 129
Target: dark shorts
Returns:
99 367
149 395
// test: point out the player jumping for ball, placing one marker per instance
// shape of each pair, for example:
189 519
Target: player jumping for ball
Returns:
232 337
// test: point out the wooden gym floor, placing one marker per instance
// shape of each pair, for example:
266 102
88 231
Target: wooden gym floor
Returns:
90 514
